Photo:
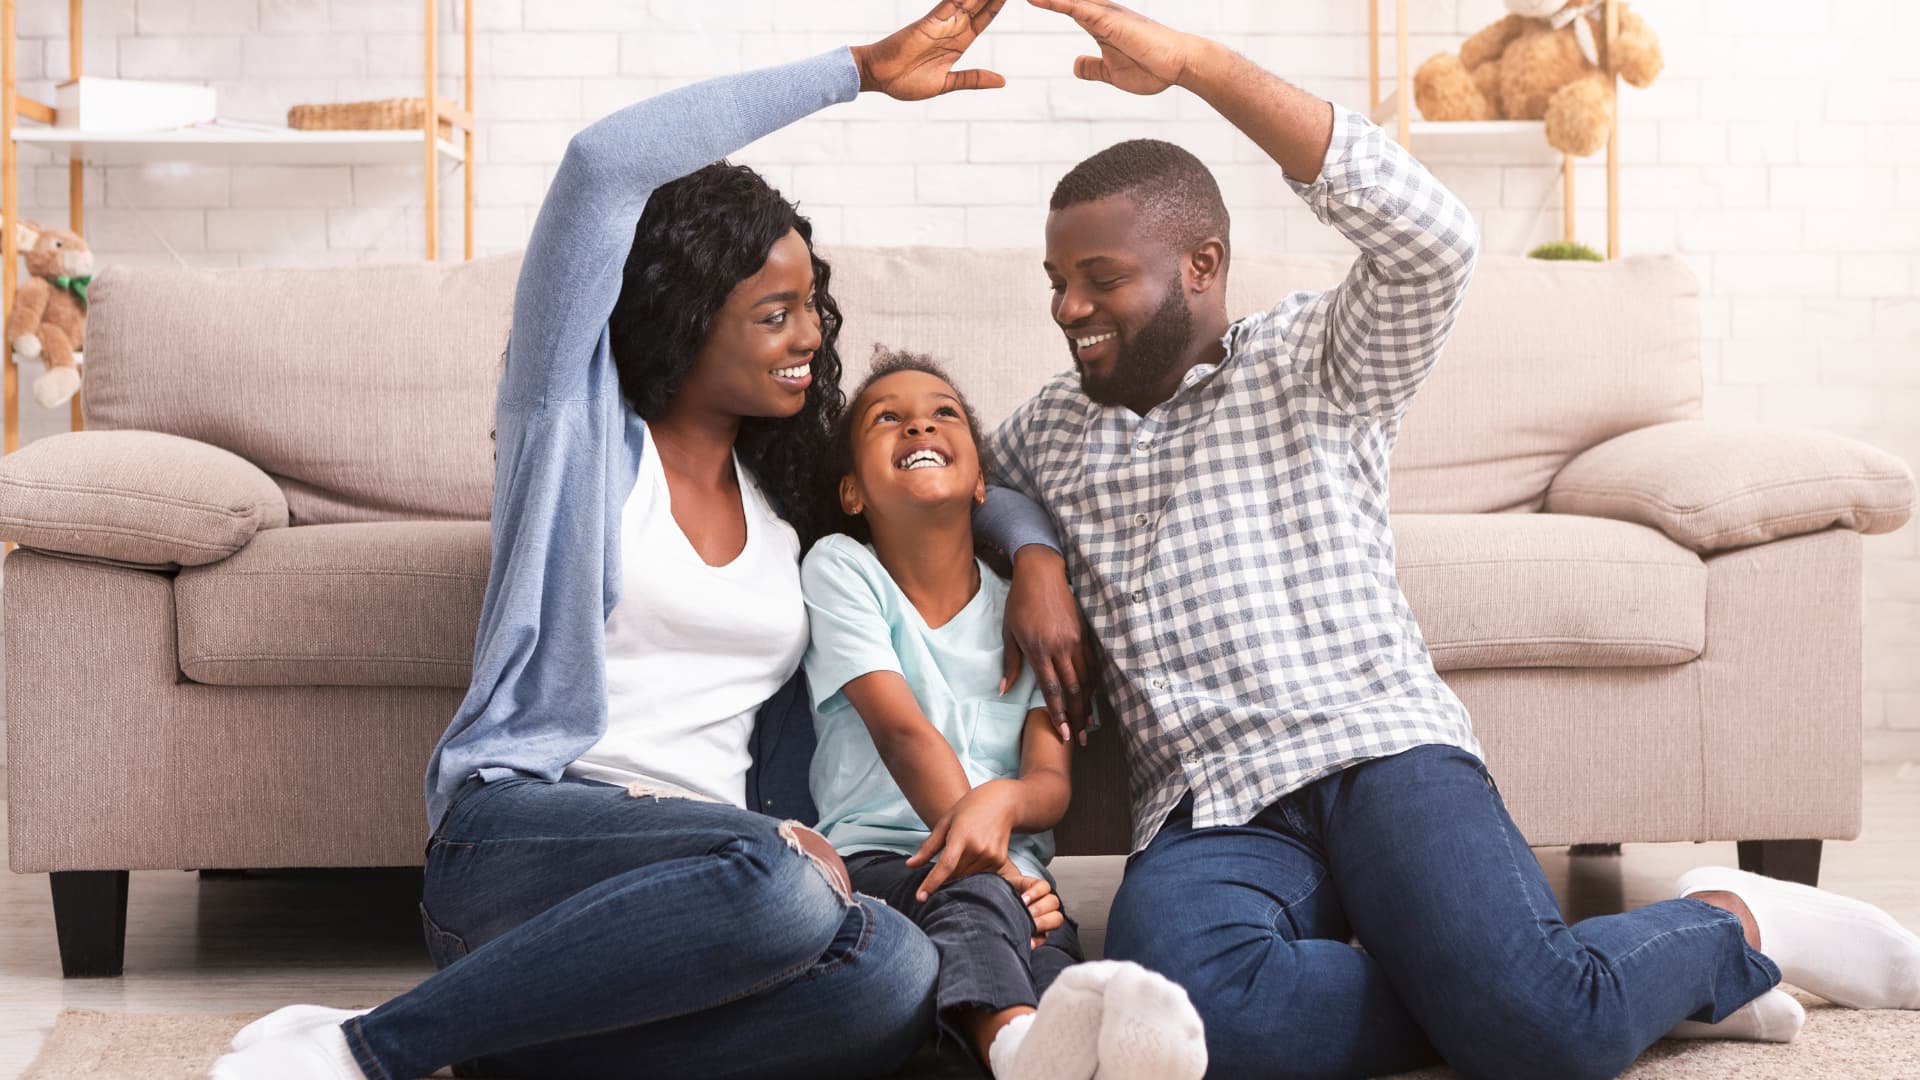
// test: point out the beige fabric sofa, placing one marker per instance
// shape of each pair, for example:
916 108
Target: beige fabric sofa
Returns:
245 600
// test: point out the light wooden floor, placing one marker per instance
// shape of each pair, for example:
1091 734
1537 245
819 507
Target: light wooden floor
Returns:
351 937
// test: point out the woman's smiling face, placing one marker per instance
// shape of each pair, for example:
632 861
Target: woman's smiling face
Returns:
912 449
757 359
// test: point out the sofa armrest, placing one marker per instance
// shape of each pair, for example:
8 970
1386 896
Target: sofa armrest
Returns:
1711 487
135 498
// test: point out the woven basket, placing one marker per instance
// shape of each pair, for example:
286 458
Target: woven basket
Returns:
386 114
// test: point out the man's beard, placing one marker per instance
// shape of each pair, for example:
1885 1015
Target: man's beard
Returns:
1143 363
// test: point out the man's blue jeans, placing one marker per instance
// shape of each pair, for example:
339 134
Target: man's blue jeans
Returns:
582 932
1466 956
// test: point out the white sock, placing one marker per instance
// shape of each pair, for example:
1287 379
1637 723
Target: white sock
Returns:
1844 950
1150 1030
289 1018
1772 1017
1063 1041
1006 1044
314 1051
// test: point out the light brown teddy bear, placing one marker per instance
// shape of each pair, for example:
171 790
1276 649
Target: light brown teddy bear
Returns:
49 320
1545 61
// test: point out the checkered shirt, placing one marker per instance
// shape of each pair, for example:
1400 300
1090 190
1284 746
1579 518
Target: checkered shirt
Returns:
1231 548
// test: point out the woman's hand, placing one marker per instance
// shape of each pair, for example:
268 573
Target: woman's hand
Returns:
972 837
1137 54
1042 623
916 62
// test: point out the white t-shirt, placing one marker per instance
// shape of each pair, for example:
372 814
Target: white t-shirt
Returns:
694 650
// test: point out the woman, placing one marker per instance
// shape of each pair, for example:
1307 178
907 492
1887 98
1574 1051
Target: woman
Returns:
609 887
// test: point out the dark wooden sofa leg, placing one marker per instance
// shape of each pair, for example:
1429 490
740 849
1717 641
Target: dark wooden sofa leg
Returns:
90 918
1788 860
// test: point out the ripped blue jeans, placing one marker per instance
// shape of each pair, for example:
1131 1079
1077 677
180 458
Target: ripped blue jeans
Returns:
584 932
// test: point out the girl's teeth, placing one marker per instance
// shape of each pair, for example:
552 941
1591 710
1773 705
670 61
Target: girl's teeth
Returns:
793 372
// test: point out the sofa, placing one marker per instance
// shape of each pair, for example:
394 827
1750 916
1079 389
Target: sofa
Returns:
243 604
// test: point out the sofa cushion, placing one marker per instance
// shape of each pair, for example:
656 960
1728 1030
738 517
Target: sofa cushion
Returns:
370 604
134 498
365 392
397 603
1549 590
1714 487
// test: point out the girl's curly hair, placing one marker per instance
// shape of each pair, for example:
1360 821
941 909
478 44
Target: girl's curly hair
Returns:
698 237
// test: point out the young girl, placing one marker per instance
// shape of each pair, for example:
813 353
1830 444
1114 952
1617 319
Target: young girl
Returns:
914 727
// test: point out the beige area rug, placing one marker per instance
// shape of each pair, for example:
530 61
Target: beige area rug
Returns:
1838 1044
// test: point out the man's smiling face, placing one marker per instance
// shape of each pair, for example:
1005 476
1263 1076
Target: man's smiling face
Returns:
1119 296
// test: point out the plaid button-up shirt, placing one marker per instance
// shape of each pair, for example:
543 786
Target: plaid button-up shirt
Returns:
1231 548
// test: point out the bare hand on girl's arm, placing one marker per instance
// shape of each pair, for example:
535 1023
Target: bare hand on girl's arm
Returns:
1044 628
916 61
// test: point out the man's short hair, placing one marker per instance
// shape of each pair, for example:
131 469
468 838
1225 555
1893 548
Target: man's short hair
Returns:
1179 199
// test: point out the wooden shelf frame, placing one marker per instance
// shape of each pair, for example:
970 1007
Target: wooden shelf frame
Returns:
1406 128
14 107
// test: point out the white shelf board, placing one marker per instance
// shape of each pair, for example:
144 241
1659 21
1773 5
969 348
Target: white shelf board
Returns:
233 145
1469 135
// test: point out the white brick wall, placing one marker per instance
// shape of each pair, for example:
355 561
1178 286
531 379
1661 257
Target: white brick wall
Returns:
1779 153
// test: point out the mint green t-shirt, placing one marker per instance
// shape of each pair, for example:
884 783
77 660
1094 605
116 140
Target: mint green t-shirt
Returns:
861 623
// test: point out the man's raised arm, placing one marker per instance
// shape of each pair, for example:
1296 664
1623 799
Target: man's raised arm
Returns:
1385 324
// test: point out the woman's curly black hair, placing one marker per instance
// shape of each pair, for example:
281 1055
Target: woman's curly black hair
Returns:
698 237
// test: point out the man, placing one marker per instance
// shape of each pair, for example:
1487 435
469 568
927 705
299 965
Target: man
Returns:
1300 774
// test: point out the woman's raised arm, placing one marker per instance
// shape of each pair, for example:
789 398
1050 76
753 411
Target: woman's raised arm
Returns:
572 272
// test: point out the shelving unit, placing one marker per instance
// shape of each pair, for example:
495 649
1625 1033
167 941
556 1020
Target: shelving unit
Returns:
1395 111
220 145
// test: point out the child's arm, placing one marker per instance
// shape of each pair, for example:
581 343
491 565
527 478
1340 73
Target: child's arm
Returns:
972 837
916 756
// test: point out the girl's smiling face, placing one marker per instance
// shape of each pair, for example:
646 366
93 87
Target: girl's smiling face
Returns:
912 449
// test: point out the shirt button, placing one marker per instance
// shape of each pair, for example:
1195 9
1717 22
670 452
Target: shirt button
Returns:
1192 757
1157 684
1143 520
1143 445
1139 595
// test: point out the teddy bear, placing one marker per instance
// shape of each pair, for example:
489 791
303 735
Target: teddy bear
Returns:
1546 60
49 318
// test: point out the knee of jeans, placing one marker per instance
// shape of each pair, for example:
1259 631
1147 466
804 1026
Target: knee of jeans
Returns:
978 890
821 854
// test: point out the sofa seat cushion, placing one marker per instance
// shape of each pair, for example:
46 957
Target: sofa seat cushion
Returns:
1549 590
369 604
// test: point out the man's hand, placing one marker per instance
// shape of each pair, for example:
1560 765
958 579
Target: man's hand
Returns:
1042 623
1137 54
972 837
916 62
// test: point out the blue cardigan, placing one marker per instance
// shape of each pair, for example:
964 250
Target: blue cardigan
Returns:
568 449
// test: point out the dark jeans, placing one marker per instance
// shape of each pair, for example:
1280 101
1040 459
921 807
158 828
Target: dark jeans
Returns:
582 932
1466 956
982 930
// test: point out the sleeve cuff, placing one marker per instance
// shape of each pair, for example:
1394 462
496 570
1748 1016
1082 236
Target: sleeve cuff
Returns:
1351 162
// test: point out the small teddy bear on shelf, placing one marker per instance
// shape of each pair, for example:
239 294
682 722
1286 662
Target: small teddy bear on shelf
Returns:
49 318
1547 60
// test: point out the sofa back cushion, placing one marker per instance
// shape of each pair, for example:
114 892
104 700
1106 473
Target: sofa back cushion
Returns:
366 393
1547 358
